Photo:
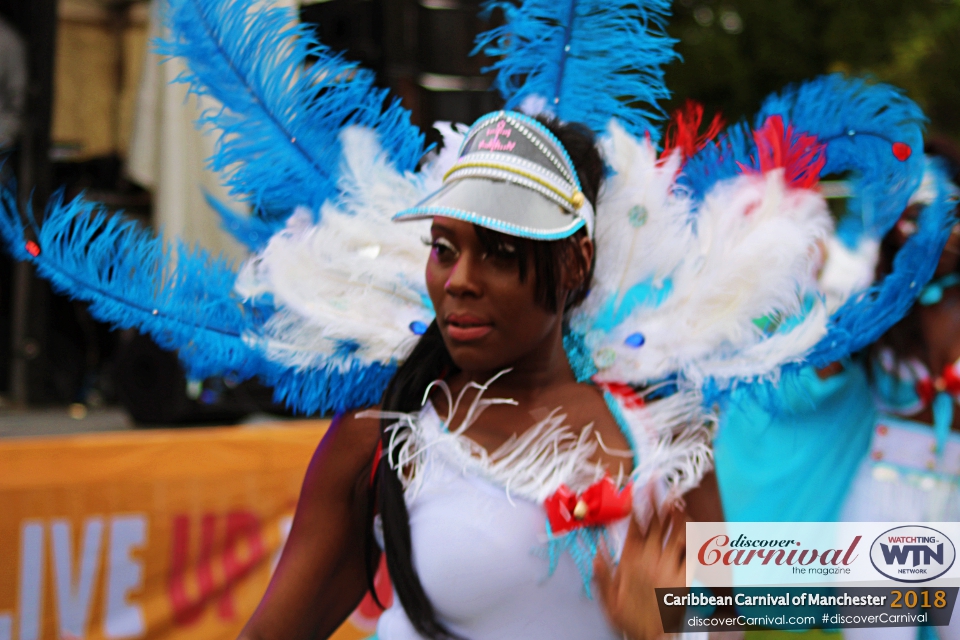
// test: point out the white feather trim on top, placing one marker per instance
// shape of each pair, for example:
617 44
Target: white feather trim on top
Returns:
670 440
531 466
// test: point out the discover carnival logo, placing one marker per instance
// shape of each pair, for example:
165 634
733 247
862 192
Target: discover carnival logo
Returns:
912 553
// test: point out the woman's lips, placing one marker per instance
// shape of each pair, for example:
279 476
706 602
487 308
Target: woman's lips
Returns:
465 328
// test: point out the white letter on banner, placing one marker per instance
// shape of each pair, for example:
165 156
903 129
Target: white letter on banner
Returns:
31 579
74 598
122 619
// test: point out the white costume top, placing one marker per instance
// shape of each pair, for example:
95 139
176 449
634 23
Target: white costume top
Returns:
479 552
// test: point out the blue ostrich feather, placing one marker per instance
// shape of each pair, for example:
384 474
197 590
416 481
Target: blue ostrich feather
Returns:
133 280
719 160
867 316
591 60
859 121
285 97
252 231
329 389
181 297
831 107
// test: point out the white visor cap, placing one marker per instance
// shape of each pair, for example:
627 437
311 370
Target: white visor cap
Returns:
512 176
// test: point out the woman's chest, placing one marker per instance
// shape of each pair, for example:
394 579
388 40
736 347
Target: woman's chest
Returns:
483 559
475 548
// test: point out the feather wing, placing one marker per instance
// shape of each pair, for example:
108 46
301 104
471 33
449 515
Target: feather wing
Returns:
182 298
131 279
735 297
872 130
285 97
348 289
683 295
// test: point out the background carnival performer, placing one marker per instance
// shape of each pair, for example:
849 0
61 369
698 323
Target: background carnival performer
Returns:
704 276
912 469
790 453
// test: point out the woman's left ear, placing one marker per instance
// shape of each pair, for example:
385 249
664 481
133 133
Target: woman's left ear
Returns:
573 278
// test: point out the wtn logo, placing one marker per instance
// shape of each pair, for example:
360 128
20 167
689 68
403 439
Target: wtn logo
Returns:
912 554
899 554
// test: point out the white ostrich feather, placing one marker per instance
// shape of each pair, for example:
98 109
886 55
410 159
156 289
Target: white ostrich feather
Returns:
348 289
847 271
749 252
439 162
643 224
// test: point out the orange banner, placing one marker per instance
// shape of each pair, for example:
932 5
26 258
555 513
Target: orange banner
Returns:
157 534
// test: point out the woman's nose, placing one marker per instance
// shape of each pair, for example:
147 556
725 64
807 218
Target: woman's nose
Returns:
464 277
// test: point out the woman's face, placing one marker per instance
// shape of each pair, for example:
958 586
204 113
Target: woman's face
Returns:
489 319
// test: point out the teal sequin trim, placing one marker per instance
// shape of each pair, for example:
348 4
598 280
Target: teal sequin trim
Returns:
578 355
624 426
582 544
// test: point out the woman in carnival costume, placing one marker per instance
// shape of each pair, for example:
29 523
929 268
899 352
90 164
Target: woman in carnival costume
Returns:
495 433
911 472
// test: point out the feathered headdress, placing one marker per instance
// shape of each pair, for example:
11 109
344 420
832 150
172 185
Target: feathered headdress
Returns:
707 256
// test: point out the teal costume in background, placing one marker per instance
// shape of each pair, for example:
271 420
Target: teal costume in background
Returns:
792 457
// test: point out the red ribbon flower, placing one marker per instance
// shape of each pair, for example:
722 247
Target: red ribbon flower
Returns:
601 503
951 379
927 388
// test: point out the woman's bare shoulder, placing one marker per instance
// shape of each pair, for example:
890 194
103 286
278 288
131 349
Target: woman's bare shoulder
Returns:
323 558
347 448
358 429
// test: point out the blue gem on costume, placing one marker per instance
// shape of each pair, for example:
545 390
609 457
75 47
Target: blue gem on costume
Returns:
635 340
418 328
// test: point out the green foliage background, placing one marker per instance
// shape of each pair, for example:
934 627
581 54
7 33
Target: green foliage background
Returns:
735 52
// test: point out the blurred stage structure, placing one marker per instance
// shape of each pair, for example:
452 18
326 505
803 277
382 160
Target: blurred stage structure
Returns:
95 121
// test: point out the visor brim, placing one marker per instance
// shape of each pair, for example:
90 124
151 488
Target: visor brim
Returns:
498 205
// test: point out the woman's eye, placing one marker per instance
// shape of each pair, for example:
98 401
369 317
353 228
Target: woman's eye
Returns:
504 252
443 248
